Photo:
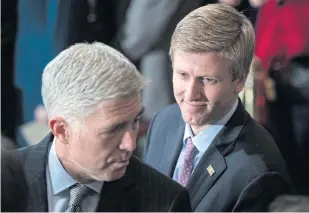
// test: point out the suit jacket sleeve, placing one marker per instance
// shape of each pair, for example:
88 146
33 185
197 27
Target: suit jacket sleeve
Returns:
181 203
145 23
261 191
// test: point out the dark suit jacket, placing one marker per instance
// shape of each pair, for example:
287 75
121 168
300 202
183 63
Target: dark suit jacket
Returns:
141 189
249 170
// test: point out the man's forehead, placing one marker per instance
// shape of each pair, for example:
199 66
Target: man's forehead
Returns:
131 105
117 116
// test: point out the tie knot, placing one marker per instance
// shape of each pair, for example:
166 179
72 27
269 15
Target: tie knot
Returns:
190 146
77 193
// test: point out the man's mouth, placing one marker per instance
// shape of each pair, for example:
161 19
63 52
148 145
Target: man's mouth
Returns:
122 164
196 103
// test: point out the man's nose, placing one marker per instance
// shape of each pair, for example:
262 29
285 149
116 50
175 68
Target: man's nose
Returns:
193 90
128 141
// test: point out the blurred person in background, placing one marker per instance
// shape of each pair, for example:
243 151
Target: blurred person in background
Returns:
144 38
85 21
207 141
46 27
7 143
34 48
10 94
290 203
281 67
92 97
14 187
243 6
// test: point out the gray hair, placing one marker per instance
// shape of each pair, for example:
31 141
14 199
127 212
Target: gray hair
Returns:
217 28
82 76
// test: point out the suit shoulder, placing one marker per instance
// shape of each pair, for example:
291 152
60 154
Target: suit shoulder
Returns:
22 152
170 111
170 115
28 151
258 129
260 139
260 149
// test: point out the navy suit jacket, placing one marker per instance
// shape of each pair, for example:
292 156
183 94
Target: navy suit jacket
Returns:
249 169
141 189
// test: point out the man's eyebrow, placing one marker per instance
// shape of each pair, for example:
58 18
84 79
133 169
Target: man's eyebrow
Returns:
180 71
119 125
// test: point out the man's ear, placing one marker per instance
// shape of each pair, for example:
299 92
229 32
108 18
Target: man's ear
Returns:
60 129
239 84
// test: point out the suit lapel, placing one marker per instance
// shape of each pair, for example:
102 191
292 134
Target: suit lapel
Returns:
35 168
202 178
172 149
113 195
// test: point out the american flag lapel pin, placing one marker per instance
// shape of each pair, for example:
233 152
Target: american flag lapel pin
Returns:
210 170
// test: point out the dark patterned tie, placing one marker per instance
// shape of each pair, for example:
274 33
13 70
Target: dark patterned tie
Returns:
77 194
188 162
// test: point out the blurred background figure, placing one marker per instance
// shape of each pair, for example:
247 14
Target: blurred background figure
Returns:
14 189
40 115
34 48
49 26
7 143
281 65
145 37
46 28
233 3
257 3
10 94
290 203
244 6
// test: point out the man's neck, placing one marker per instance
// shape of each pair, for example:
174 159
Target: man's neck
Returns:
198 129
69 165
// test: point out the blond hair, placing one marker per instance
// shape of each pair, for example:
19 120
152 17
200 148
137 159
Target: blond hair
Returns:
217 28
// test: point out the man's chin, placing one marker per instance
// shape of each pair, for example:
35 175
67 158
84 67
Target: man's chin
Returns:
192 119
197 121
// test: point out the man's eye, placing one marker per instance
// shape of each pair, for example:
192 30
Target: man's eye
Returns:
136 123
137 119
182 74
116 128
209 80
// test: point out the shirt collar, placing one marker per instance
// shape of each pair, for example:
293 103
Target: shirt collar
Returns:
60 178
200 144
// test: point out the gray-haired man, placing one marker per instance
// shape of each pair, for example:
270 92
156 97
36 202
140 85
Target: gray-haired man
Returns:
92 96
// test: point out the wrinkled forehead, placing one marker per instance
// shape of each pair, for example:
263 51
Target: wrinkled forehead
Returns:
124 108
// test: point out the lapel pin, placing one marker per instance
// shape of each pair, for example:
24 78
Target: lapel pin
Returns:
210 170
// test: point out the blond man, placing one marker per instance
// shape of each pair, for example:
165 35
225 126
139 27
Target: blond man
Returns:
207 141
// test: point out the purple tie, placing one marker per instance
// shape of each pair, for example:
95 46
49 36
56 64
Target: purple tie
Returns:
188 162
